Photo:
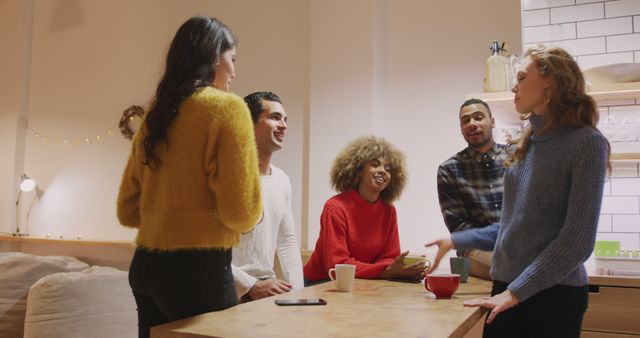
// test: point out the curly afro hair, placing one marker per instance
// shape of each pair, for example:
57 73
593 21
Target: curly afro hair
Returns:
345 172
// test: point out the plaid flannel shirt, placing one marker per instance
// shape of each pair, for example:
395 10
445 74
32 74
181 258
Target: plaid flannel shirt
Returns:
470 188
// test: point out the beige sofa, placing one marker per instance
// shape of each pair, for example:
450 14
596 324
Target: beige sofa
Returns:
95 302
60 296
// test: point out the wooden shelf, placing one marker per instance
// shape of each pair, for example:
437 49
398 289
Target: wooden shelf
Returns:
79 242
502 107
615 91
618 281
625 157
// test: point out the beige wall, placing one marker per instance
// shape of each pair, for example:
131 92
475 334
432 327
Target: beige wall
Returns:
399 69
92 59
15 47
342 78
437 52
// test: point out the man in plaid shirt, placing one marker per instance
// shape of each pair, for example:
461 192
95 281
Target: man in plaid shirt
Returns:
470 182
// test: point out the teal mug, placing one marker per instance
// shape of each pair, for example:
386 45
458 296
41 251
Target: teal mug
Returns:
460 266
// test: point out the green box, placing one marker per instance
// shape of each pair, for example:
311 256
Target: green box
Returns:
607 248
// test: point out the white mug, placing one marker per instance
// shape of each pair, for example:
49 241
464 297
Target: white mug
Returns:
344 276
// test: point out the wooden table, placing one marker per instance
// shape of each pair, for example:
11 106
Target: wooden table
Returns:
375 308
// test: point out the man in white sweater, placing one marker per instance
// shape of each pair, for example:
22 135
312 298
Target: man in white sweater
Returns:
253 259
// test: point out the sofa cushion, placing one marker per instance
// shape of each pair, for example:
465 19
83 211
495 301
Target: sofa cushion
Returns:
18 271
96 302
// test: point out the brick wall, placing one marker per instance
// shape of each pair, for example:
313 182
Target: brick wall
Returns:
595 32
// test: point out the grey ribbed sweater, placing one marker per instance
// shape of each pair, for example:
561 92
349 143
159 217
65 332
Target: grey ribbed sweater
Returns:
551 204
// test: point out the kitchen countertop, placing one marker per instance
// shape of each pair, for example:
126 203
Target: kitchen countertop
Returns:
374 308
609 280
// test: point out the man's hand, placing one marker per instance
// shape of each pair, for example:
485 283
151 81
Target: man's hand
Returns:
498 303
397 269
444 245
268 287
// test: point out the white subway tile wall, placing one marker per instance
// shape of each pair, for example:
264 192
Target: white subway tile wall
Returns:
590 61
596 33
628 241
604 223
586 1
535 18
591 28
627 223
606 191
625 187
622 43
625 112
623 205
549 32
622 8
535 4
577 13
583 46
620 214
624 147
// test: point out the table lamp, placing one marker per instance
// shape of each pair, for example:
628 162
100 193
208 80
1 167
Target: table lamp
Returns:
26 184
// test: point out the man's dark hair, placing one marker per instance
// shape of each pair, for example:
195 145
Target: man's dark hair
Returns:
254 102
476 101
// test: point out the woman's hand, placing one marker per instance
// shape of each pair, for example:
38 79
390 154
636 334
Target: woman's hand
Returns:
397 269
498 303
444 245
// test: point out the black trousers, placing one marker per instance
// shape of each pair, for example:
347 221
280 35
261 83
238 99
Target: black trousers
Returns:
168 286
554 312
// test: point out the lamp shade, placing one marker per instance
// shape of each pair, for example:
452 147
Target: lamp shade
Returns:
27 184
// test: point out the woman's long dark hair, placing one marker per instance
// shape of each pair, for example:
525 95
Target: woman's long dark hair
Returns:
190 65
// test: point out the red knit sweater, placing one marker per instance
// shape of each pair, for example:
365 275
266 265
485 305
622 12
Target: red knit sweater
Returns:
354 231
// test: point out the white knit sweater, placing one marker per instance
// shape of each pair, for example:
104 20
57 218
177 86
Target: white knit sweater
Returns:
253 259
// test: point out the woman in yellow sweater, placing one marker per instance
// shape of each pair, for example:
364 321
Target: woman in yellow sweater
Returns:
191 185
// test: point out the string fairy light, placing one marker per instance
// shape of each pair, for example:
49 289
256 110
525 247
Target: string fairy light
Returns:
69 140
129 123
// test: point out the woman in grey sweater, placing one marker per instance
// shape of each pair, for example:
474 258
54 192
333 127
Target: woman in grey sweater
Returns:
552 197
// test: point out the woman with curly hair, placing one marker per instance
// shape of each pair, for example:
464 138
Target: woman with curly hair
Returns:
359 225
552 196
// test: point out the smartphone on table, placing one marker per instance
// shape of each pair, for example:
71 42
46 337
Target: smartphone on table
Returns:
304 301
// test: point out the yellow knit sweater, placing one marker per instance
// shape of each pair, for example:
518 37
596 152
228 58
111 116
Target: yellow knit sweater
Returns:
207 191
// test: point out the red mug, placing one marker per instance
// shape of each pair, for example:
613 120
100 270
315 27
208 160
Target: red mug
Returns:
442 285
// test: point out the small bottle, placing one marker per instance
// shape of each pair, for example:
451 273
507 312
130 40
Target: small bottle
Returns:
496 70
